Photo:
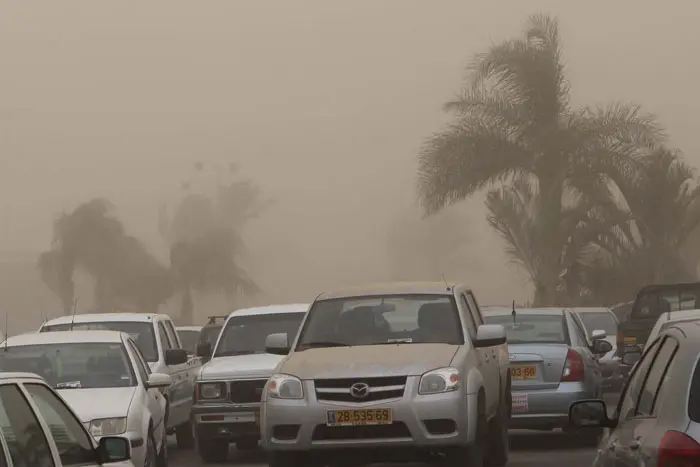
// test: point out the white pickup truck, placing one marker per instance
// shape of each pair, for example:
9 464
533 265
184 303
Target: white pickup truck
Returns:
155 336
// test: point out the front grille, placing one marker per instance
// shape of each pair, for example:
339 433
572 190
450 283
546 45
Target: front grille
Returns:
247 392
379 388
395 430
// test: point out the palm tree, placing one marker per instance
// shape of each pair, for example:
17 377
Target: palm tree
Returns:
514 120
91 238
206 247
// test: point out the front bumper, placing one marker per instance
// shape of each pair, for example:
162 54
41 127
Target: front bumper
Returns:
546 409
230 422
425 421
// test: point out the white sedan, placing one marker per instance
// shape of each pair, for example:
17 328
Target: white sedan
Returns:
105 379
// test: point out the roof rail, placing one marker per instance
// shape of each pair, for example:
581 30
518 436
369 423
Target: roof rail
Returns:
212 319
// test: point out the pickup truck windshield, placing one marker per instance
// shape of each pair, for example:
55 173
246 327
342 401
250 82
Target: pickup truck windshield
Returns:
392 319
73 365
210 333
531 328
140 332
245 335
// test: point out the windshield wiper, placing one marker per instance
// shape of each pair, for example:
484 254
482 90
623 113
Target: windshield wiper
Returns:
316 345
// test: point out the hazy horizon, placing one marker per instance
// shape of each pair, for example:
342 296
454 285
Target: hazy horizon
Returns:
324 104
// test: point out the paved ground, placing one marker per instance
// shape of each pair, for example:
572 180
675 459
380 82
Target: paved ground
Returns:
528 450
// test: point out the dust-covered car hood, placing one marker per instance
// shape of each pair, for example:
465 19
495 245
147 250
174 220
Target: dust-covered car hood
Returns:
254 365
368 360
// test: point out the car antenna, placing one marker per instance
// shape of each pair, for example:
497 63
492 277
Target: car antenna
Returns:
513 312
72 317
445 281
6 333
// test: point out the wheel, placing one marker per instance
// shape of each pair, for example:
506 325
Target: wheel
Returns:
184 435
162 457
151 456
212 450
289 459
473 455
499 441
247 444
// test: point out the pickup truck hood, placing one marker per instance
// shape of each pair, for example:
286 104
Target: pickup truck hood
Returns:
368 360
92 404
262 364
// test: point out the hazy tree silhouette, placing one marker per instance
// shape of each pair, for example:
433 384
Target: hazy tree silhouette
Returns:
514 122
92 239
205 241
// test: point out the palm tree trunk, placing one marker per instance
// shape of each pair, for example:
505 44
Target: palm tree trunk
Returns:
187 307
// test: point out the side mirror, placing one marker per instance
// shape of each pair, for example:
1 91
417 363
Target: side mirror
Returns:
204 350
113 449
277 344
159 380
598 334
489 335
176 357
631 356
589 413
601 347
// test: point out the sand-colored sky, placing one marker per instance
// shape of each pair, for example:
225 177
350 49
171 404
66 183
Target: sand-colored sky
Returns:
324 102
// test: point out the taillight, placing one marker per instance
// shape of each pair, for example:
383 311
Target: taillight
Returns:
678 450
620 343
573 368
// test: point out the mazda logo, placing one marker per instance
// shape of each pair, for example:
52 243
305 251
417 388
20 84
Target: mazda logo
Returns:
359 390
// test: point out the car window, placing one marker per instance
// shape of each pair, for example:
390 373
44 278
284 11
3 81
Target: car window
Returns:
188 339
532 328
73 442
164 339
579 329
471 323
474 308
141 366
630 396
172 334
22 431
657 374
594 320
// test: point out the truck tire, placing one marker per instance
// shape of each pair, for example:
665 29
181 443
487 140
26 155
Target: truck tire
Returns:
212 450
473 455
184 435
499 441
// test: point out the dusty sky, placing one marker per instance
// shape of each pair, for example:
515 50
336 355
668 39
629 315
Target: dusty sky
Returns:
324 102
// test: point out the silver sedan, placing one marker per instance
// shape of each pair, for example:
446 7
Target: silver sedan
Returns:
657 419
552 365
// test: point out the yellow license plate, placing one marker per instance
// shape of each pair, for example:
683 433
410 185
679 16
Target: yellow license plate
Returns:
523 372
359 417
257 418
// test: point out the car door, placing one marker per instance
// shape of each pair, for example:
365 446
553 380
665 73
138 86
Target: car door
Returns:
611 452
191 367
639 435
179 397
486 357
154 397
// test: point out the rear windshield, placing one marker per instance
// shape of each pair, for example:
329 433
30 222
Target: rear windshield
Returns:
654 303
532 328
141 332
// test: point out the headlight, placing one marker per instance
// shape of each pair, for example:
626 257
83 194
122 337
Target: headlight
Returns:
285 387
438 381
108 426
211 391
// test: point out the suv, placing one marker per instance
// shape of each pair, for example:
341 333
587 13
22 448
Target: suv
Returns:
390 373
156 338
229 387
